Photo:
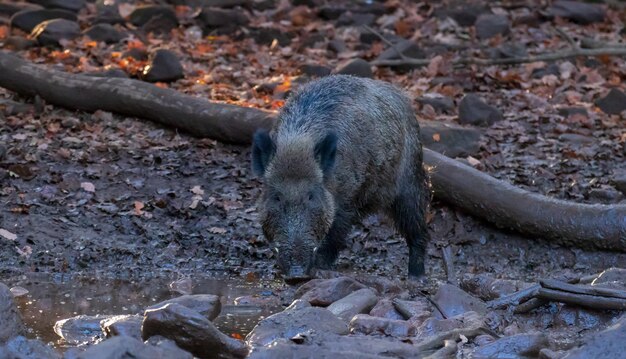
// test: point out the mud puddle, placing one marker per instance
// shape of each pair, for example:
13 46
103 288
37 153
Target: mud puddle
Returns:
54 297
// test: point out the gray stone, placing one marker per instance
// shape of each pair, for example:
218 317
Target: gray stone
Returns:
22 348
11 323
208 305
385 309
452 301
144 14
360 301
128 347
70 5
450 139
164 66
366 324
578 11
191 331
411 308
516 346
81 329
609 343
613 103
122 325
105 33
26 20
51 32
474 111
356 67
490 25
323 292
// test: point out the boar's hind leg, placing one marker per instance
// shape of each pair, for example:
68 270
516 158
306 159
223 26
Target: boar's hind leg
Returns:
409 214
335 240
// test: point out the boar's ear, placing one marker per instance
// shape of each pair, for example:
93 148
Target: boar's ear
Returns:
262 151
325 151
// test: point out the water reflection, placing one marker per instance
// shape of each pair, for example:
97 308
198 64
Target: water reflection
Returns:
53 297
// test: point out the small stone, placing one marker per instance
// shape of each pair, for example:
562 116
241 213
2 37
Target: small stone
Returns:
81 329
337 46
490 25
267 35
215 18
360 301
163 67
323 292
9 316
127 347
208 305
521 345
289 323
453 301
465 14
473 111
314 70
70 122
619 181
108 14
385 309
572 111
613 103
122 325
18 43
410 308
10 8
441 104
356 67
105 33
22 348
143 14
26 20
355 19
51 32
70 5
406 47
585 319
551 69
433 326
191 331
511 50
578 11
486 287
136 53
365 324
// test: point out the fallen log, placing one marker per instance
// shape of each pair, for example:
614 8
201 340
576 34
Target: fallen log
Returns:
584 300
571 224
583 289
506 206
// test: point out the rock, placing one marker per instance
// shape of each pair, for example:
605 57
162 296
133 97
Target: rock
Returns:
572 111
450 139
122 325
136 53
355 19
578 11
581 318
356 67
3 154
51 32
81 329
619 181
26 20
13 108
165 344
433 326
409 308
609 343
465 14
263 300
473 111
22 348
107 14
366 324
289 323
576 138
314 70
384 286
323 292
360 301
406 47
191 331
490 25
551 69
488 288
611 278
70 5
605 194
8 9
385 309
19 43
516 346
208 305
163 67
613 103
267 35
337 46
128 347
511 50
143 14
104 33
441 104
10 319
329 345
216 18
453 301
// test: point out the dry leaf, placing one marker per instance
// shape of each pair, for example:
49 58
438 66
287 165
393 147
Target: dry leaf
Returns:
138 208
436 137
197 190
88 187
25 251
8 235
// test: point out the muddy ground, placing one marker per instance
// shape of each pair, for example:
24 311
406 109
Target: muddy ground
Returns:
97 195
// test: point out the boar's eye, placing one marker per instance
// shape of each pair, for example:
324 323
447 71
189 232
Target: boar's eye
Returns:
276 198
311 196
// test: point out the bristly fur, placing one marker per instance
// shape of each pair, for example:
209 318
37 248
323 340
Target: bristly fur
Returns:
358 140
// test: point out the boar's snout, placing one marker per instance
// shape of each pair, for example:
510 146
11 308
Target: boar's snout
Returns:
297 267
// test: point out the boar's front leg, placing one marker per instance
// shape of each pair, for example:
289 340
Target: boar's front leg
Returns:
335 239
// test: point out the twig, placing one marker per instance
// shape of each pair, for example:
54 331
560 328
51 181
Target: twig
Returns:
589 301
515 298
559 55
583 289
386 41
448 265
529 305
567 38
448 350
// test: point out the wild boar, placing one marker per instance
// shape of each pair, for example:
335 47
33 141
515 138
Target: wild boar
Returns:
342 147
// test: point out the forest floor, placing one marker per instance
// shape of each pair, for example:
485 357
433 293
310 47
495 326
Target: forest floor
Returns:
98 195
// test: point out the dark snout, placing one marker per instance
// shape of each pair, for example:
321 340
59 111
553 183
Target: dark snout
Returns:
297 274
298 268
